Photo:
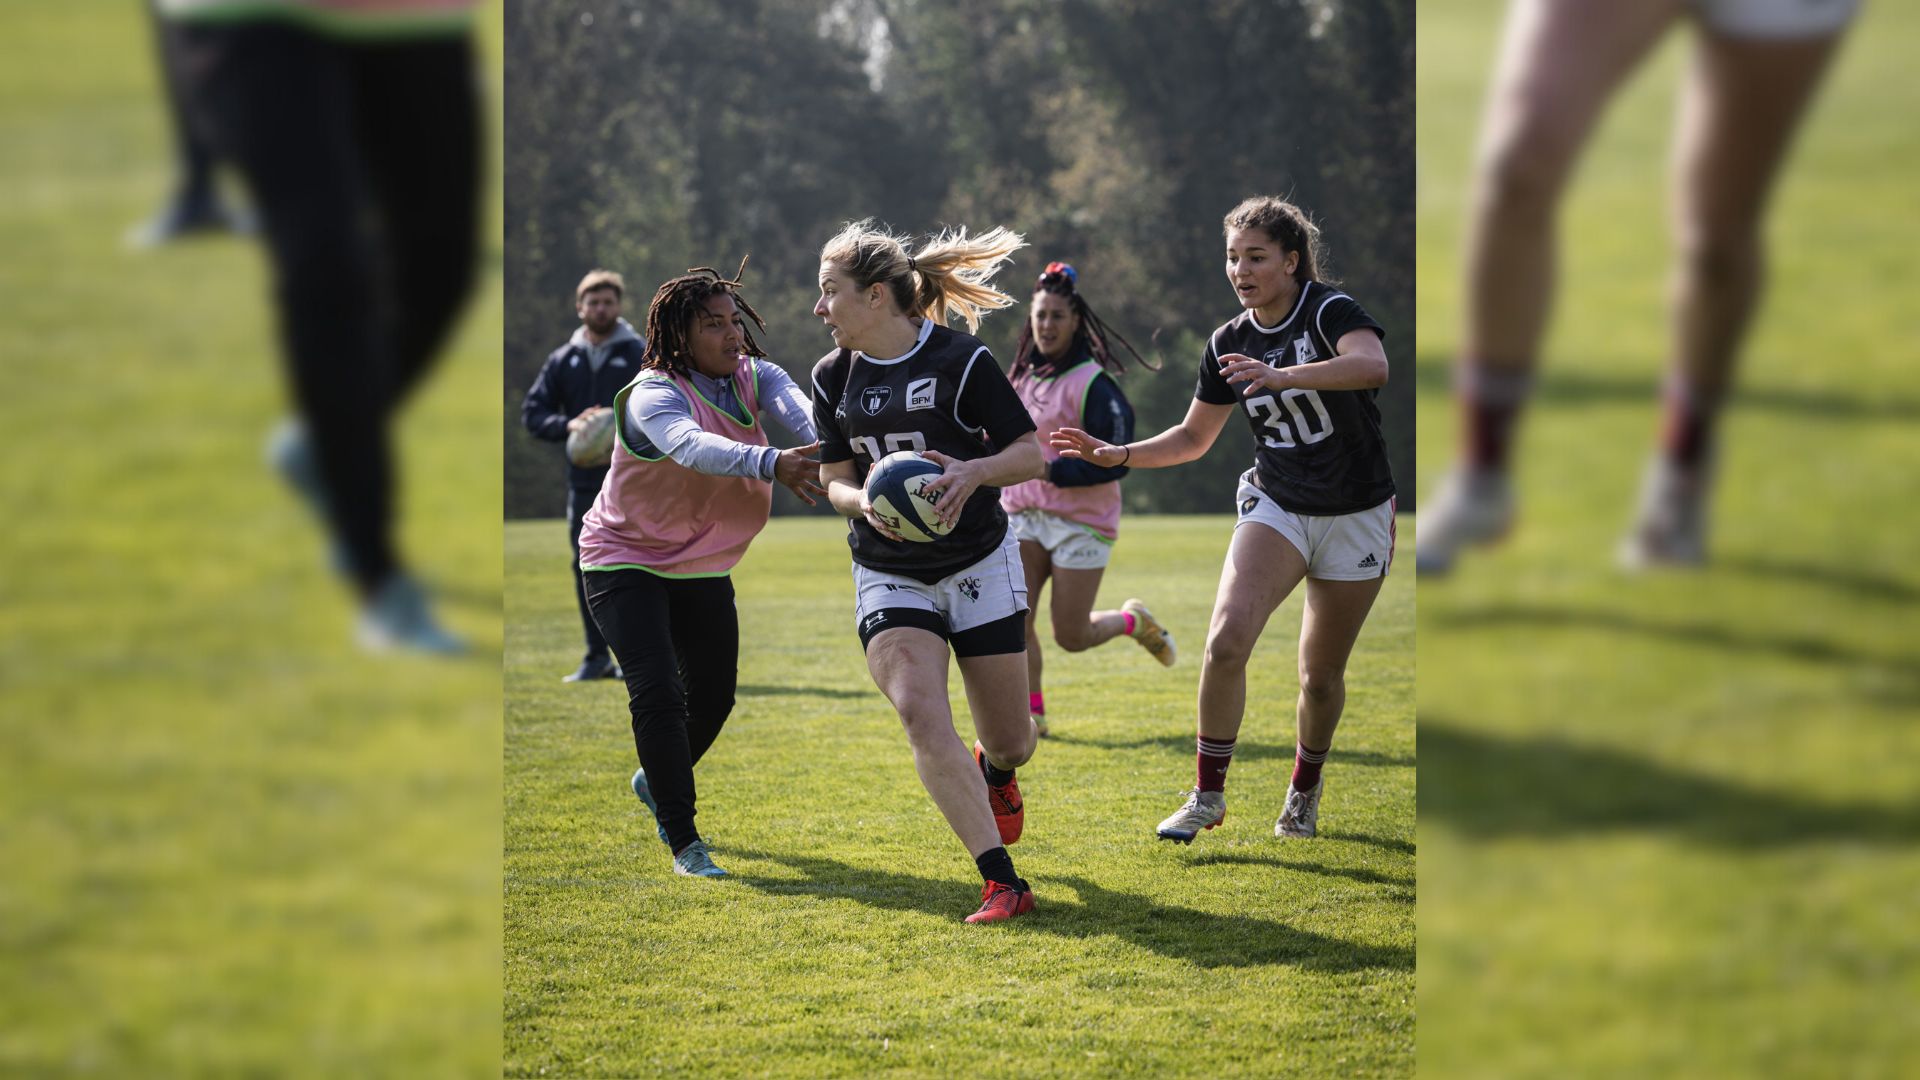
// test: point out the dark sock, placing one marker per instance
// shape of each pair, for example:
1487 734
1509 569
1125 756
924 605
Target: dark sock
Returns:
1492 402
996 777
1212 760
1306 766
997 865
1689 426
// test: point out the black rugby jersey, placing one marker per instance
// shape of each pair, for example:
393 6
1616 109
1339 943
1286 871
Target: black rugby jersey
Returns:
1316 452
945 394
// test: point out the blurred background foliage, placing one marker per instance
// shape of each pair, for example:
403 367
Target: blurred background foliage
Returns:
649 136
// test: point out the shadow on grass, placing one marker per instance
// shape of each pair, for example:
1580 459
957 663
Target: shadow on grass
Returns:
1856 583
1490 785
751 690
1434 375
1353 873
1198 937
1247 751
1404 847
1901 674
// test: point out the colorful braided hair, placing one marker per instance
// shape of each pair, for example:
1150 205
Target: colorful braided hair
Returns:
1092 337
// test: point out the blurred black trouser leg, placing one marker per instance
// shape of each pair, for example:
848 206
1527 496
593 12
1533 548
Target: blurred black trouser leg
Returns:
419 130
277 102
370 232
678 641
193 158
579 501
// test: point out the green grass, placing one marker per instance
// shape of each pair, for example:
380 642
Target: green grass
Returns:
1668 823
837 949
233 845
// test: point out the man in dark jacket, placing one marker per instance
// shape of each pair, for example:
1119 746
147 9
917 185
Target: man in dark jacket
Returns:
579 380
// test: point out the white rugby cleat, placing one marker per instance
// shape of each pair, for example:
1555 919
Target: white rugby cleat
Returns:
1471 507
1202 810
1301 816
1670 528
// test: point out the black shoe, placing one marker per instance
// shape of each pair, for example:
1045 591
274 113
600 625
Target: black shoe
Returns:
595 667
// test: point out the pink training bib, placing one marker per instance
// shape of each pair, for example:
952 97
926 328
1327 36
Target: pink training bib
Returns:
657 515
1055 403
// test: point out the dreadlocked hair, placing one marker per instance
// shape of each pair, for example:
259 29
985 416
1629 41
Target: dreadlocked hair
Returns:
948 276
1289 226
675 306
1092 337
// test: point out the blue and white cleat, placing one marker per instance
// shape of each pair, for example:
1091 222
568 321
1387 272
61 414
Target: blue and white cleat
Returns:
398 618
695 860
1202 810
641 789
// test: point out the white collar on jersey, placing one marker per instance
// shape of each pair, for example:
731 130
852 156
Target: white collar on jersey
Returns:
926 331
1298 303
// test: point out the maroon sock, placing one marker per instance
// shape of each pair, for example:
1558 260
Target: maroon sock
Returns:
1689 427
1490 403
1214 757
1306 766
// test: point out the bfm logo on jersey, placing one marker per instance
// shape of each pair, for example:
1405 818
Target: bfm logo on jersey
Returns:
920 393
1303 350
874 398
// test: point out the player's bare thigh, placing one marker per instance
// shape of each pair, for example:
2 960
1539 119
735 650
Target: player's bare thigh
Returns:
1262 569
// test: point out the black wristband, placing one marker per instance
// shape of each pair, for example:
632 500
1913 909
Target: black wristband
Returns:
1124 460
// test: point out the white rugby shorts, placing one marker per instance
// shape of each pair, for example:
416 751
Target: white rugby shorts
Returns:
1343 547
991 589
1775 18
1070 545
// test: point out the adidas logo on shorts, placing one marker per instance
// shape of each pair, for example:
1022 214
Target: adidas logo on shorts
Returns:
1369 561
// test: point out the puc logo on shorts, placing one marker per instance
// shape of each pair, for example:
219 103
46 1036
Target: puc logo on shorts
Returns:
970 587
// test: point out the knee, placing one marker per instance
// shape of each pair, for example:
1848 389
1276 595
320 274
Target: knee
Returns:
1322 685
923 716
1229 645
1523 167
1077 638
1011 751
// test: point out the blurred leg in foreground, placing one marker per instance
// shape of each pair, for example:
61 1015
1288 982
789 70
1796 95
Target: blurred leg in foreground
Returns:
194 205
361 155
1561 62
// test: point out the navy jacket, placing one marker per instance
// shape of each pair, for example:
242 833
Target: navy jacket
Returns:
568 385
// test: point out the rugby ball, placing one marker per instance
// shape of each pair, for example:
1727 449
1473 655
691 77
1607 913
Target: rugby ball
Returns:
896 487
591 443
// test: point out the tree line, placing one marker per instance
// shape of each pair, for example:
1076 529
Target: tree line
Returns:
650 136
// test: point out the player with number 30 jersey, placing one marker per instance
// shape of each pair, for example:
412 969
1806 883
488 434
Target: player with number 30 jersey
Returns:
1302 362
1316 452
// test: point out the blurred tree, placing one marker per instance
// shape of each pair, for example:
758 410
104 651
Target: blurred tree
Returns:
653 135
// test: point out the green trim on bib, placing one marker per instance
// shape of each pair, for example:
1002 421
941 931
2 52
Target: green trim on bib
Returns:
656 573
388 26
620 416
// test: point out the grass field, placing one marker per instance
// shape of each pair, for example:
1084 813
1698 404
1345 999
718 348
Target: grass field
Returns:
1668 824
837 949
233 845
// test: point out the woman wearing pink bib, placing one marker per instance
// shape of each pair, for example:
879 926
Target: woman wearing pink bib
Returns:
691 484
1067 521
